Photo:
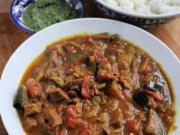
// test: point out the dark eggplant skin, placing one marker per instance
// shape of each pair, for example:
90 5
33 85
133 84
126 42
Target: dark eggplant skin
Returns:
78 58
21 98
93 67
82 58
141 98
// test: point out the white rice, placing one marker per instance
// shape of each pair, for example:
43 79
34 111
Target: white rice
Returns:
146 6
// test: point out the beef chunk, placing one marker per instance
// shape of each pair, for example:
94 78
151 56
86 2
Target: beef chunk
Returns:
30 123
104 75
71 83
52 117
55 60
32 108
57 95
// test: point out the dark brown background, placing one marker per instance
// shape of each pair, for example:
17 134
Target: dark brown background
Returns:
11 37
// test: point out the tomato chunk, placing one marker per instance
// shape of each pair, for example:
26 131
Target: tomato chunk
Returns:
72 112
69 48
85 92
104 75
156 95
153 103
33 88
133 126
87 130
73 123
73 117
89 39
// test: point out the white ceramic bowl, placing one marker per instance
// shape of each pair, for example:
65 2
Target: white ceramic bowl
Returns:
33 46
141 20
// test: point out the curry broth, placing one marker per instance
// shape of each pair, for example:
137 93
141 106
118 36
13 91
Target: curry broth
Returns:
43 57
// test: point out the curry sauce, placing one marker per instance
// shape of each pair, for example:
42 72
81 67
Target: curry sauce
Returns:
95 84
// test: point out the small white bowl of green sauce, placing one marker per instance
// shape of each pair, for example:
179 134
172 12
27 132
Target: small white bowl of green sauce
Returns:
35 15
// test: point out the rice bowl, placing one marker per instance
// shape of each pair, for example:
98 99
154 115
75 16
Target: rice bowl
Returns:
148 7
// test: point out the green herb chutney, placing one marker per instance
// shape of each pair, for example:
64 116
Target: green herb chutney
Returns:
43 13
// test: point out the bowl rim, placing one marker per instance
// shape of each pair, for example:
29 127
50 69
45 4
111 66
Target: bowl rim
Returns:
166 15
26 29
23 44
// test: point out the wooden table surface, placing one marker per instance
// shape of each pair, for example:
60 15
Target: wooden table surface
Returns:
11 37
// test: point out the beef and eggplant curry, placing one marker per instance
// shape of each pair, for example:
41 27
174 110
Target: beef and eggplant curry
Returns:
95 85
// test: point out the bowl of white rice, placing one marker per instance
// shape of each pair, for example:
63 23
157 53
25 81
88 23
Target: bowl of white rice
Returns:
142 13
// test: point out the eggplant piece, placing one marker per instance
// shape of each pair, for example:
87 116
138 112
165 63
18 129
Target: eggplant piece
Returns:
78 58
58 95
102 36
93 67
114 90
96 100
99 132
141 98
125 61
21 98
115 38
154 86
154 125
93 112
59 81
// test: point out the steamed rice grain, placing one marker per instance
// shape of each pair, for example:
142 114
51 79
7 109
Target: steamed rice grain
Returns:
146 6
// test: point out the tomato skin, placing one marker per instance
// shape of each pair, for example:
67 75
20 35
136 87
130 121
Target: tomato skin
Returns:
133 126
156 95
33 88
89 39
73 123
69 48
73 117
85 92
153 103
72 112
105 75
86 130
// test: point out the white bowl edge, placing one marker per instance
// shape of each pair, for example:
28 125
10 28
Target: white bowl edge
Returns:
91 25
